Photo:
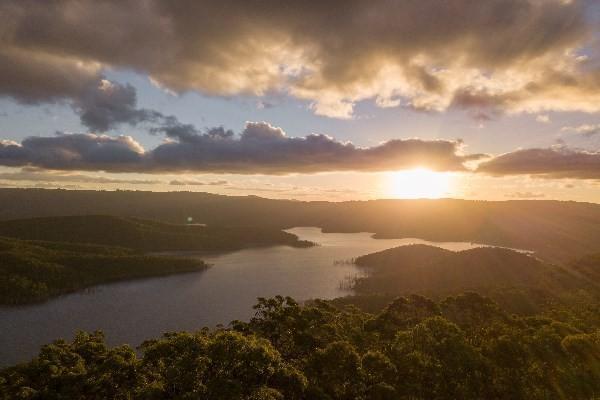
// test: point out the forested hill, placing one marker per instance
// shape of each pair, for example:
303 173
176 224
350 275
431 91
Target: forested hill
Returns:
144 235
464 347
33 271
520 282
556 231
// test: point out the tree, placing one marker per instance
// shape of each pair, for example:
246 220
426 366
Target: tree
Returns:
219 365
83 369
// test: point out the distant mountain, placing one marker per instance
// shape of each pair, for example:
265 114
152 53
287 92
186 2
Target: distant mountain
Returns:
144 235
515 280
556 231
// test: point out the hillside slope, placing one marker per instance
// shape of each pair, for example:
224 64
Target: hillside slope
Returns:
34 271
144 235
503 274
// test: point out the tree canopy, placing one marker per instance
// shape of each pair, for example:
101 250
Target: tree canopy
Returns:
463 347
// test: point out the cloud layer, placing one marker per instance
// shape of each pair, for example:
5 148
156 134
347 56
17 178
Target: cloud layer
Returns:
264 149
260 148
40 175
555 162
491 56
73 152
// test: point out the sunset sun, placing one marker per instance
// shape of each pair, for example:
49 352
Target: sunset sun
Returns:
419 183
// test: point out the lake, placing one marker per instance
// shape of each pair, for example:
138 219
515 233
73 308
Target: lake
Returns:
132 311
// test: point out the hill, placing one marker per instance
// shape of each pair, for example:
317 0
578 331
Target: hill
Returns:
33 271
588 266
556 231
516 280
144 235
464 347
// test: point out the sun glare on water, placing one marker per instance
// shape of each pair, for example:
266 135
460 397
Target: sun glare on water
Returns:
420 183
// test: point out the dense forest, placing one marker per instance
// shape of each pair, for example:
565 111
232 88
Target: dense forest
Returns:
464 347
45 257
33 271
519 282
145 235
556 231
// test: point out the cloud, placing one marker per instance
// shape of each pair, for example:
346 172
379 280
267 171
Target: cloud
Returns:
108 104
525 195
587 130
37 175
73 152
504 56
262 148
259 149
555 162
294 191
188 182
45 185
544 119
36 78
264 189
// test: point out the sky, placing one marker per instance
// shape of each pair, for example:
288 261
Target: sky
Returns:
488 100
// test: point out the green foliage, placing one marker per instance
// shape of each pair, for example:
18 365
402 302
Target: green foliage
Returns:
34 270
44 257
82 369
518 282
465 347
145 235
219 365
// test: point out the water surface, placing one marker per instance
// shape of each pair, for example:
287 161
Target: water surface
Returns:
129 312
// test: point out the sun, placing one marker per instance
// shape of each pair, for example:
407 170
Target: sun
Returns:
419 183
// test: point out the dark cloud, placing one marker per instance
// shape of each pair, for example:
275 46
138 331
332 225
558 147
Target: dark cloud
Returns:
108 104
260 148
555 162
73 152
426 54
484 105
172 128
33 78
37 77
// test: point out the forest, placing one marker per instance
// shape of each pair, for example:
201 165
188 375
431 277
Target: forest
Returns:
45 257
463 347
520 282
32 271
146 235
